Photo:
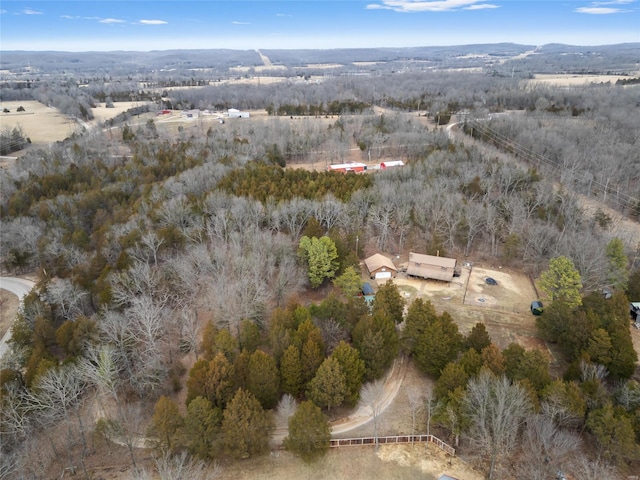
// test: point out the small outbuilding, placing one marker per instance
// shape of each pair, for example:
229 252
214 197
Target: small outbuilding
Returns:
391 163
347 167
380 267
431 268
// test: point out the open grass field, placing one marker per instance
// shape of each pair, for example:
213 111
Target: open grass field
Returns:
571 80
45 125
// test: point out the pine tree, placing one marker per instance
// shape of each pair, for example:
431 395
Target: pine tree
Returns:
322 258
349 283
420 315
438 345
246 427
562 282
166 424
353 369
311 358
263 379
291 371
213 380
388 301
376 339
309 432
328 388
201 427
478 337
453 376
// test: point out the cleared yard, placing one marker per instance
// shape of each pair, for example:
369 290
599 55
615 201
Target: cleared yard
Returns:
503 308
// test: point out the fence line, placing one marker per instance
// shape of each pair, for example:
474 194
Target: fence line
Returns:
360 441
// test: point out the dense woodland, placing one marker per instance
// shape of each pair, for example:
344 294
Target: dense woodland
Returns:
181 261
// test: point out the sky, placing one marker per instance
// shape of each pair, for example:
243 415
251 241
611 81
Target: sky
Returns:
141 25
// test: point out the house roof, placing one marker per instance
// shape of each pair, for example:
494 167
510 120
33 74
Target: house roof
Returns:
393 163
378 261
428 266
432 260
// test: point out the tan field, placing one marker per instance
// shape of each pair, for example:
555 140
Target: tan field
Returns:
45 125
569 80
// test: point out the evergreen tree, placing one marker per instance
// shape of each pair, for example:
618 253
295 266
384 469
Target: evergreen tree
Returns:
321 256
166 425
389 302
613 430
291 371
562 282
618 275
246 427
328 388
478 337
311 358
201 426
471 362
353 368
309 432
263 379
376 339
349 283
249 336
633 288
531 365
420 315
493 359
453 376
438 345
213 380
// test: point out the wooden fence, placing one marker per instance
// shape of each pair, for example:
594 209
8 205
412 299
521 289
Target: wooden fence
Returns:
349 442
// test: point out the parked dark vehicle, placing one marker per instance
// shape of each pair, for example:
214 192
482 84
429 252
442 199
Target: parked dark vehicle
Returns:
536 307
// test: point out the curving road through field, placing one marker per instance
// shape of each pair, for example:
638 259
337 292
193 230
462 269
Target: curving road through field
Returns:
19 287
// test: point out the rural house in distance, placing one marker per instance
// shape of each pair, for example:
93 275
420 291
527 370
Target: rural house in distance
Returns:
431 267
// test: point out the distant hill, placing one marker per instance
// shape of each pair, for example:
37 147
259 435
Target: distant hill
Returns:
549 58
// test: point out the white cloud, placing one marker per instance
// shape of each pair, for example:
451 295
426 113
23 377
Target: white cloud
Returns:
482 6
412 6
31 11
240 23
283 15
2 11
614 2
600 8
111 20
153 22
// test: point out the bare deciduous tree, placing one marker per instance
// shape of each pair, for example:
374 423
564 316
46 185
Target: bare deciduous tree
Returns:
545 448
287 406
496 409
416 398
372 395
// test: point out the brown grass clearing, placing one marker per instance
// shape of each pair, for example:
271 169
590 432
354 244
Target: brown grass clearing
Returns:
571 79
8 310
356 463
42 124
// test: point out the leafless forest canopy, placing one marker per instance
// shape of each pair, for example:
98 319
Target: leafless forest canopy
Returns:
156 246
